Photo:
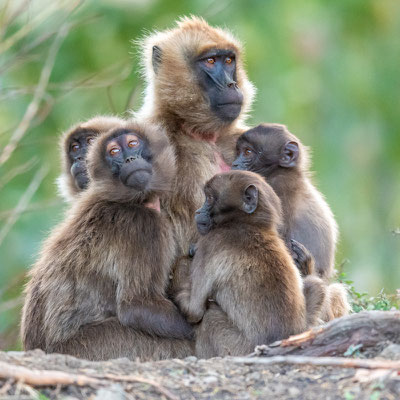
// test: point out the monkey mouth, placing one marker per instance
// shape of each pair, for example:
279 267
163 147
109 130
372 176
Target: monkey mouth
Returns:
138 179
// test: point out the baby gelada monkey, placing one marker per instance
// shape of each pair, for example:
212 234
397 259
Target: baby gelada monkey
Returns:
244 266
74 145
102 274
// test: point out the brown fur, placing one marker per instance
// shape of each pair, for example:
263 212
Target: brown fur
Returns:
111 257
307 217
244 266
93 127
174 99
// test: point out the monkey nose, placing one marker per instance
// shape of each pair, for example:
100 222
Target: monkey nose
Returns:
130 159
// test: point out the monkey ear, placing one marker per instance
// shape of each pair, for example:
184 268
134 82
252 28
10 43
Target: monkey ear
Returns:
289 155
250 199
156 58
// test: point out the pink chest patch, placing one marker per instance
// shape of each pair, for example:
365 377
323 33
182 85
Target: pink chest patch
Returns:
155 204
222 165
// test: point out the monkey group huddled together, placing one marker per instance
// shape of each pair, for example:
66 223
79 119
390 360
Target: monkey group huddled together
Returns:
139 268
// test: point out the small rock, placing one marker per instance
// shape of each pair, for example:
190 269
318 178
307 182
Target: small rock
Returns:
294 392
392 352
191 359
210 379
113 392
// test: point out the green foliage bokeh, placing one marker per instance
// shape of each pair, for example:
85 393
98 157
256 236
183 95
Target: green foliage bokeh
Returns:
328 70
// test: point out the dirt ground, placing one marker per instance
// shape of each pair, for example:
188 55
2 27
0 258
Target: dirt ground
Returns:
218 378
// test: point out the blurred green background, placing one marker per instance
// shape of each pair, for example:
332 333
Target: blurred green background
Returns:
328 70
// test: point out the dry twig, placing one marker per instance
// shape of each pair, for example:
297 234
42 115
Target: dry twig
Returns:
320 361
54 378
45 378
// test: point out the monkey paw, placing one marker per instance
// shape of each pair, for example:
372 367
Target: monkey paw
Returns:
302 258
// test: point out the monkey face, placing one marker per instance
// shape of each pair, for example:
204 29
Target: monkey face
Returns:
78 147
216 74
265 148
129 158
229 196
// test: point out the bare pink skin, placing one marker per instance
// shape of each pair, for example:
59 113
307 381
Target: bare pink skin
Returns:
223 166
154 204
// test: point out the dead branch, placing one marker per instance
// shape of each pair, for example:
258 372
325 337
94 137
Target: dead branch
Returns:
45 378
24 201
320 361
367 328
54 378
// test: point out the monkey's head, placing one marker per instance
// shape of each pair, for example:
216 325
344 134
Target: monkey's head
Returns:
131 163
74 146
270 148
240 197
195 73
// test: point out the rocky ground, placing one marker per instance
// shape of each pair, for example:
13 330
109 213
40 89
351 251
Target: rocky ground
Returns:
368 372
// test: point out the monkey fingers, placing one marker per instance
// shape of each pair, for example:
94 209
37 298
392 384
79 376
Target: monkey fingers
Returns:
302 258
158 317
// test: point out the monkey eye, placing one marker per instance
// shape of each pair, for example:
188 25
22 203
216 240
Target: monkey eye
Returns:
114 151
209 198
228 60
210 60
90 140
248 152
75 146
133 143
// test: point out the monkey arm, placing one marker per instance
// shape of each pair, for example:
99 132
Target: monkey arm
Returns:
179 289
201 289
302 258
155 316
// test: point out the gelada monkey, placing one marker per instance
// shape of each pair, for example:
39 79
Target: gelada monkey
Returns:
74 145
279 156
97 290
244 266
198 89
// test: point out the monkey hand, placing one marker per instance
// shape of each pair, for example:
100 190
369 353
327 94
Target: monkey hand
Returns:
159 317
192 250
302 258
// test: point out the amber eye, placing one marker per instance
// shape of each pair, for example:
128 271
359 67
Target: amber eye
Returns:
133 143
228 60
210 60
75 146
209 198
114 151
248 152
90 140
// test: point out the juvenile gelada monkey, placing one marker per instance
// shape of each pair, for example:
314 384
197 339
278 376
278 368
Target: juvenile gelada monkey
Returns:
98 288
279 156
244 266
276 154
74 145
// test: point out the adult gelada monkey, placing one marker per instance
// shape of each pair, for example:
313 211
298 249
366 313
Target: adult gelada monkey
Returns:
279 156
74 145
198 90
101 277
242 263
